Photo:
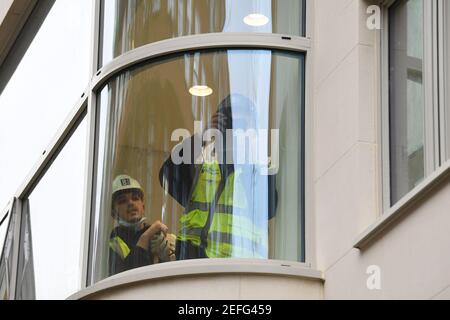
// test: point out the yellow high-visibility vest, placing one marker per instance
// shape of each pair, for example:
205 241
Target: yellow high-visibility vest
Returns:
232 232
120 247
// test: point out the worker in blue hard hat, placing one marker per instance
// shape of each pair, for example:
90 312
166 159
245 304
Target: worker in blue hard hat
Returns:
134 243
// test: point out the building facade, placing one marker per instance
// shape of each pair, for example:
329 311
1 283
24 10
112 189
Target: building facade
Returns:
275 149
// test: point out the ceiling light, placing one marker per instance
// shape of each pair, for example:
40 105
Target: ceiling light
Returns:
256 20
201 91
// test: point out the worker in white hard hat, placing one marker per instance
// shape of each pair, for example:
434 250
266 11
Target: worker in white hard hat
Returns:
134 243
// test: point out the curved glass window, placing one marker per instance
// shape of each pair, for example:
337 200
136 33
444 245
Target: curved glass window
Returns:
201 156
129 24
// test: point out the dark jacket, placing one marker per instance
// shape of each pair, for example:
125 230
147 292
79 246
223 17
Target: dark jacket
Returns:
179 181
137 257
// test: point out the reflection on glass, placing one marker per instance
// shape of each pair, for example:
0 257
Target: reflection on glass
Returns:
55 214
46 85
130 24
407 137
188 177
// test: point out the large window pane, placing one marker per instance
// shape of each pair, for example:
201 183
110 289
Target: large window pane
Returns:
129 24
55 216
406 93
44 88
229 202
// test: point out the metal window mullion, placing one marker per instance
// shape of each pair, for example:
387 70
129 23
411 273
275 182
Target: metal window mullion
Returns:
308 130
435 74
198 42
378 103
309 25
430 150
441 70
384 113
95 38
308 165
18 212
102 144
89 189
90 148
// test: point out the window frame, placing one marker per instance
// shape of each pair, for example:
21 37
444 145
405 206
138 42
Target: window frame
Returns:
443 7
432 148
389 213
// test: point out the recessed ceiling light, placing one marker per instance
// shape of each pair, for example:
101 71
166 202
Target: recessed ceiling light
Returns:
256 20
201 91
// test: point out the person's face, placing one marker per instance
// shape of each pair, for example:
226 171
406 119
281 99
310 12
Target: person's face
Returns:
129 206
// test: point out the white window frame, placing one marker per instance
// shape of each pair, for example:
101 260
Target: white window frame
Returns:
444 77
432 151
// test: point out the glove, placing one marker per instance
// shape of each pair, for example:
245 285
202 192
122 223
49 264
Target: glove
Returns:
156 242
163 247
167 248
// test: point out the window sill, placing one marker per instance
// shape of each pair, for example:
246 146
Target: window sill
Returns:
203 267
432 182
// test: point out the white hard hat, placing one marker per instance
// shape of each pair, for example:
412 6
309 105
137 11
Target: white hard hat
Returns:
124 182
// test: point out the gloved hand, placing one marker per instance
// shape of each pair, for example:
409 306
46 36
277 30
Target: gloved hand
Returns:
163 246
167 248
156 242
